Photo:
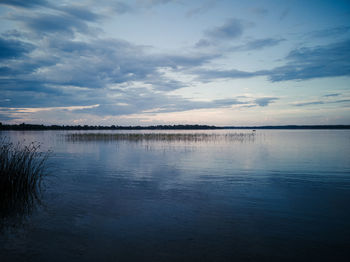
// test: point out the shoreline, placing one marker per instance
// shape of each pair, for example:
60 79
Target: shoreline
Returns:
36 127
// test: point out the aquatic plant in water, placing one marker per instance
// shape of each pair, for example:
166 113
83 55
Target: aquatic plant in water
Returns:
22 168
167 137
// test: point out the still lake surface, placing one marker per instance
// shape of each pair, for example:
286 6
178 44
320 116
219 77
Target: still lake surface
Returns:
277 195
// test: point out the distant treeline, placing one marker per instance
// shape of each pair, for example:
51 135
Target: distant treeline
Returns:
24 126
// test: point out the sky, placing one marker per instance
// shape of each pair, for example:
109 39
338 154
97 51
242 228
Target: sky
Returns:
155 62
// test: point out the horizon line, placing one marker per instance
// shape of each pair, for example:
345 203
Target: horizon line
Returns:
24 126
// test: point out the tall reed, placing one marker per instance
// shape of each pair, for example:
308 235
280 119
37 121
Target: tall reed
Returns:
21 169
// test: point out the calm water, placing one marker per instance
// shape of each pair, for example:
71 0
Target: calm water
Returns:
282 195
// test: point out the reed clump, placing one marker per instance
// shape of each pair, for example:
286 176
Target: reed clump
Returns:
166 137
21 170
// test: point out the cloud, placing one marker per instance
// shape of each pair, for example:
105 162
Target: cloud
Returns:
52 60
121 8
203 43
155 2
6 117
308 103
43 24
73 18
143 100
330 32
10 48
301 64
332 95
342 101
80 12
260 11
186 60
185 105
79 73
125 7
24 3
204 7
265 101
258 44
164 84
233 28
261 43
134 100
320 102
284 14
205 75
307 63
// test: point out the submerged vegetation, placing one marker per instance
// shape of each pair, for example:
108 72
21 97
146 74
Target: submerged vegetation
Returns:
22 168
166 137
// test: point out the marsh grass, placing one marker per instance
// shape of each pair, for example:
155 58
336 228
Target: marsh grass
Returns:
22 168
166 137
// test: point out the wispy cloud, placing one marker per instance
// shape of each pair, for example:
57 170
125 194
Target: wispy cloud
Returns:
265 101
284 14
330 32
204 7
321 61
121 7
320 102
206 75
332 95
308 103
233 28
301 64
261 11
257 44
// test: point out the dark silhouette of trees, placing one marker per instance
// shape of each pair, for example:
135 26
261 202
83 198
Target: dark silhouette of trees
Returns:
24 126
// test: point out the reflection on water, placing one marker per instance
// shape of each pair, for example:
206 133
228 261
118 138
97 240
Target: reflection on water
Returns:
279 195
14 210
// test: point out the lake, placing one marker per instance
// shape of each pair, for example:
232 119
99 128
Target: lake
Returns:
204 195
